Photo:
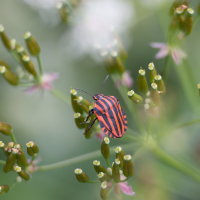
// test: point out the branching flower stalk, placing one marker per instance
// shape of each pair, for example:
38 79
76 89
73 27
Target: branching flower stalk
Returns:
147 140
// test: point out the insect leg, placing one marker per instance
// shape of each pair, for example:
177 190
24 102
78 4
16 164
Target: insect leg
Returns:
90 113
90 125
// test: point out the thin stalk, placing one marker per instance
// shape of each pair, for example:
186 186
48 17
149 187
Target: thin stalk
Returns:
173 162
111 189
61 96
78 159
13 137
33 158
39 64
2 162
166 68
93 182
13 185
108 163
196 20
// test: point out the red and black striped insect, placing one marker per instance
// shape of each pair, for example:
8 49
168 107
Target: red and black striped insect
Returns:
107 109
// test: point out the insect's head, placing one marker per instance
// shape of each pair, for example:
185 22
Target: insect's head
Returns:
98 96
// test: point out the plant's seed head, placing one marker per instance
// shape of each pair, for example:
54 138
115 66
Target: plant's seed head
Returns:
103 53
146 106
109 170
27 35
101 175
80 98
73 91
130 93
104 185
11 144
1 28
158 77
2 144
17 168
154 86
118 150
106 140
78 171
114 53
151 66
19 179
29 144
96 163
25 58
2 69
77 115
142 72
117 161
127 157
190 11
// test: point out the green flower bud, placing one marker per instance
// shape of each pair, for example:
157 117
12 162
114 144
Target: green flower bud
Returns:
2 63
22 173
98 167
154 94
152 72
142 82
28 64
9 76
198 9
2 145
4 189
32 148
5 128
160 84
128 168
198 86
117 63
78 120
74 102
188 21
5 38
89 132
81 176
120 154
10 161
104 177
105 151
63 11
115 171
21 52
134 97
84 104
32 44
22 159
104 190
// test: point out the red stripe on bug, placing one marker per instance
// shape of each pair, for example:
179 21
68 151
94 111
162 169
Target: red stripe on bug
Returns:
115 118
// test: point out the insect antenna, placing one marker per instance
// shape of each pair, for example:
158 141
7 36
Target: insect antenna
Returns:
83 91
103 83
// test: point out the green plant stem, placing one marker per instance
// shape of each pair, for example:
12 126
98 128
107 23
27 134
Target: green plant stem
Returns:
33 158
196 20
108 163
13 137
39 64
166 68
110 190
138 151
78 159
13 185
123 92
173 162
15 56
196 121
93 182
2 162
60 96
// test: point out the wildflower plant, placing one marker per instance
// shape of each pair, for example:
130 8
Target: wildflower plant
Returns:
122 166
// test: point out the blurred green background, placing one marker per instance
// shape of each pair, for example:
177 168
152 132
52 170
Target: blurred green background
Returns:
49 122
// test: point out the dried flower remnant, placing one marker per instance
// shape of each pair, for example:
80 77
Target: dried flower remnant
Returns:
44 83
176 52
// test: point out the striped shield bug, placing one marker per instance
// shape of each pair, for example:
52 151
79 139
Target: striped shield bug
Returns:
107 109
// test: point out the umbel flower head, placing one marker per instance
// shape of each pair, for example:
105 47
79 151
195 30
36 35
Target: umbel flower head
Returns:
176 52
44 83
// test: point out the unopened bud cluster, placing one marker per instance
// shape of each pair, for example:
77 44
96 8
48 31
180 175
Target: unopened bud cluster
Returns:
21 55
152 94
82 108
15 157
122 165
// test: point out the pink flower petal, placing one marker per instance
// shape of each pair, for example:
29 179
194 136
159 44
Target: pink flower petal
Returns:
32 89
127 189
46 86
162 53
177 55
158 45
100 135
50 77
127 79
